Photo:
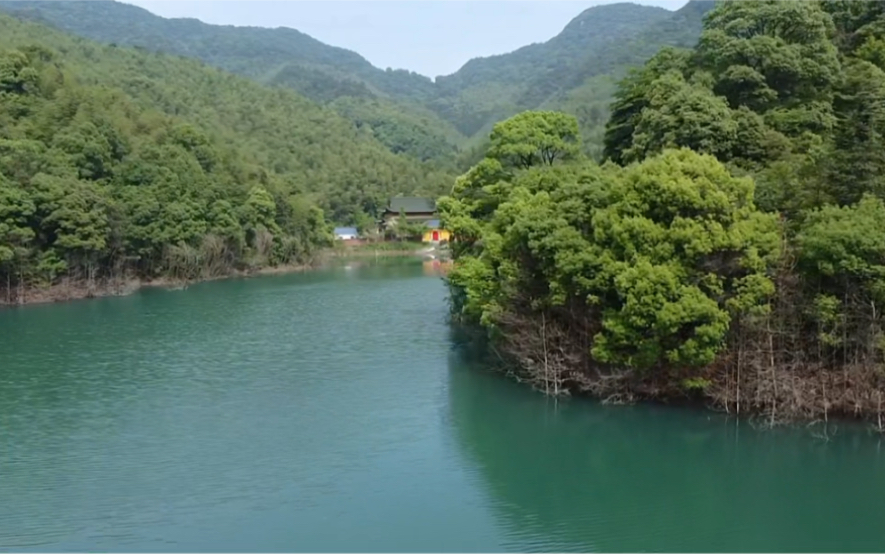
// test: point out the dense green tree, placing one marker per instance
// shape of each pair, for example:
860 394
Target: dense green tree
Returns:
846 246
533 138
689 251
631 98
16 236
345 167
763 72
858 157
744 266
97 185
679 114
841 253
859 27
767 54
664 254
767 90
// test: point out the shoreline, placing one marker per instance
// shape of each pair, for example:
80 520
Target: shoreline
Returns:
636 392
67 290
809 395
625 391
370 250
860 401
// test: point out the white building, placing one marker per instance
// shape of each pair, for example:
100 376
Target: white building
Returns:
346 233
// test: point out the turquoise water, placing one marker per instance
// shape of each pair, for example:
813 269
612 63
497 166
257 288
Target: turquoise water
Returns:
331 411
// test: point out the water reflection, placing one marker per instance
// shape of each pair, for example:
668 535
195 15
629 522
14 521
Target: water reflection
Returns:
433 268
576 476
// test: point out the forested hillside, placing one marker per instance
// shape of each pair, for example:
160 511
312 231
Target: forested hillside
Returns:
284 57
587 88
116 162
487 89
409 113
732 249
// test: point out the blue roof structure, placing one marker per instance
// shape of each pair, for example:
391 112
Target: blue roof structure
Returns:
346 231
432 224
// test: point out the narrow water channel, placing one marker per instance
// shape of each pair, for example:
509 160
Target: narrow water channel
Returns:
330 411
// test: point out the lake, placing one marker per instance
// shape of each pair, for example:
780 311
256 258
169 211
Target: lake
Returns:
332 411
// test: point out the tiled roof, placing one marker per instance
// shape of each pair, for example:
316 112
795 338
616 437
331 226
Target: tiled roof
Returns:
412 204
345 231
432 224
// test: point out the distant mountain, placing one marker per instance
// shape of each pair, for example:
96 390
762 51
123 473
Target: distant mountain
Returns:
487 89
256 52
586 88
408 112
575 72
282 56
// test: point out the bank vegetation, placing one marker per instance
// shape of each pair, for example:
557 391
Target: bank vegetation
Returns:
731 247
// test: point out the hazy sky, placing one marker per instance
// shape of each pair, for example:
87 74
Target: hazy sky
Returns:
431 37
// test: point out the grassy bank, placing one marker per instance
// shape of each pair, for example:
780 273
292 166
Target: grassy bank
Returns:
406 248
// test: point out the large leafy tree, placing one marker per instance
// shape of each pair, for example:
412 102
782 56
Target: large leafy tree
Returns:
631 99
535 137
663 255
686 251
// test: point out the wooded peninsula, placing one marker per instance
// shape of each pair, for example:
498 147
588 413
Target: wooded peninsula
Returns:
730 247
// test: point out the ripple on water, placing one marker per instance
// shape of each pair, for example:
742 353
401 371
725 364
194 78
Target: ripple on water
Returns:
168 407
327 412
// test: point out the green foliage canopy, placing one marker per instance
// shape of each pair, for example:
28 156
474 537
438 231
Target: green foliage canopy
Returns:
665 253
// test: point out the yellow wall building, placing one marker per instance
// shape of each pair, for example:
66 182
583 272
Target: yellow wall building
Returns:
434 233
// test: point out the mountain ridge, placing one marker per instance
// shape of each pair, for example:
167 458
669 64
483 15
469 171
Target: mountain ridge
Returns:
575 21
429 119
